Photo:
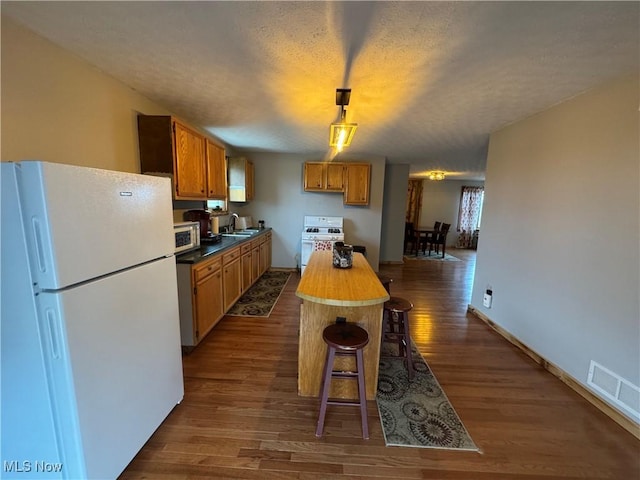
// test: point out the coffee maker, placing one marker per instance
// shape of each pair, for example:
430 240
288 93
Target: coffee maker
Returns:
204 218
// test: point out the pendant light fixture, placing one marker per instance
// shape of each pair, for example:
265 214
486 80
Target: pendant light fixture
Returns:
436 175
341 133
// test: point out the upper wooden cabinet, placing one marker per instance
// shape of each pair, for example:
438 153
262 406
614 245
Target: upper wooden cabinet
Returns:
168 146
357 181
216 171
323 177
351 178
241 180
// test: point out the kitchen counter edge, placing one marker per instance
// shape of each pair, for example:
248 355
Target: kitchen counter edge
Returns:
205 251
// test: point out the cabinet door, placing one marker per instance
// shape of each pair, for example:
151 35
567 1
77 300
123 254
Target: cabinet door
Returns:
250 181
264 257
232 283
216 172
190 169
356 190
335 177
247 277
255 261
241 181
314 176
208 303
269 250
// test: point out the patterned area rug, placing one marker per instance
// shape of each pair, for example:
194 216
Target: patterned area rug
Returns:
434 256
416 413
260 299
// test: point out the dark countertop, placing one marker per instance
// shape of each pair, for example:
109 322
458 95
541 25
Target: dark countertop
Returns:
205 251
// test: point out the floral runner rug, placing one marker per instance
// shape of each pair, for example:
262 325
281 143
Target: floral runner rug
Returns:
260 299
416 413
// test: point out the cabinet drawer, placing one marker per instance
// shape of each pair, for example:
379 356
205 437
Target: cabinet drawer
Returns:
203 271
231 255
246 247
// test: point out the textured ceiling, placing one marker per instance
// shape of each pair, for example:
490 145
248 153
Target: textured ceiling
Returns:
430 80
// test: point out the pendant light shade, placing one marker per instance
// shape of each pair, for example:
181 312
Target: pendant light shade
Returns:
341 133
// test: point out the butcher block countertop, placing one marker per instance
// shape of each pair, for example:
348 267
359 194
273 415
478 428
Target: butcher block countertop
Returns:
343 287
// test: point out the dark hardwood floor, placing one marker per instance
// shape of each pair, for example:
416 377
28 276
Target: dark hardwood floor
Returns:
241 416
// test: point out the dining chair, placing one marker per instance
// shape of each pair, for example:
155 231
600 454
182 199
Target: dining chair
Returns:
439 238
428 236
409 236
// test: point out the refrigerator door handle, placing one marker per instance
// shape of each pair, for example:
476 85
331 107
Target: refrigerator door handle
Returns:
39 244
54 333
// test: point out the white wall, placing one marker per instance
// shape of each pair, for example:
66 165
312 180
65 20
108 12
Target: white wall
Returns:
560 237
396 181
441 202
57 108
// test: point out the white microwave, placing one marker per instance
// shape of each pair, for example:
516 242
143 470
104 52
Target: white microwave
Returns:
187 236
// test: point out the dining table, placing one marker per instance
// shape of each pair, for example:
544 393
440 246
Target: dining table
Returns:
422 235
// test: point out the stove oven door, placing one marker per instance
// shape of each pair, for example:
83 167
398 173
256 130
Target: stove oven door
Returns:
307 249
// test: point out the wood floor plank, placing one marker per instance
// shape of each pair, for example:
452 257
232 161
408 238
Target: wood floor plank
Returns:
242 419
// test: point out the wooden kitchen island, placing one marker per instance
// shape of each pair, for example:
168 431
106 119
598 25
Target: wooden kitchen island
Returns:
327 292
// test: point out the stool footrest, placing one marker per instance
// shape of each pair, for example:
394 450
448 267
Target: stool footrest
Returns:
344 403
336 373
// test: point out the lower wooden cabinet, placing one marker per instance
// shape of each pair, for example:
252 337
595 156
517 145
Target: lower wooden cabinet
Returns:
245 262
208 289
200 297
264 255
255 259
209 309
232 277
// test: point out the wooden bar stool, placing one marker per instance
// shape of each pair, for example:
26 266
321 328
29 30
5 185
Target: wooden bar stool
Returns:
344 339
386 282
396 328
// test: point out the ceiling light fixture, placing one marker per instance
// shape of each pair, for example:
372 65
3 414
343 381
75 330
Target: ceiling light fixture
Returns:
436 175
341 133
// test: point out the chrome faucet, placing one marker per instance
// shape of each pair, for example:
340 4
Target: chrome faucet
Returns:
232 218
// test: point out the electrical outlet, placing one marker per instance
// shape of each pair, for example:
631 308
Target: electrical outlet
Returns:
488 297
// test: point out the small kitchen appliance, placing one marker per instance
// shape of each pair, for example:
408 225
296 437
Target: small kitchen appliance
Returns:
204 218
187 236
201 216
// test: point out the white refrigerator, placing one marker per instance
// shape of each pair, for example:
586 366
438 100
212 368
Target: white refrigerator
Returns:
89 328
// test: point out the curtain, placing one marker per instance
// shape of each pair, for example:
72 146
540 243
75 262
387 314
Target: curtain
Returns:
469 214
414 201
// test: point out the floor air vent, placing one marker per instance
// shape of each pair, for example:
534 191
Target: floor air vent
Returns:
615 388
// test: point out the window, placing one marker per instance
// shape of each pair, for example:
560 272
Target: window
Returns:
470 212
217 206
